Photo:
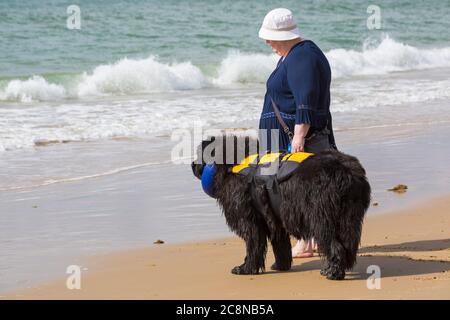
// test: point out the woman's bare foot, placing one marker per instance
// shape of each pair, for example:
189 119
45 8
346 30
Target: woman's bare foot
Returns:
314 245
303 249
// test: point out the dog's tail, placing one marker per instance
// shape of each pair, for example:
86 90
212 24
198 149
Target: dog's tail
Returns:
355 193
355 210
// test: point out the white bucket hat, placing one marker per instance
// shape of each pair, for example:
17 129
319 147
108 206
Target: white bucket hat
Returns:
279 25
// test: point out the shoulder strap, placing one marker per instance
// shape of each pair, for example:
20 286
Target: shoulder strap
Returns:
281 121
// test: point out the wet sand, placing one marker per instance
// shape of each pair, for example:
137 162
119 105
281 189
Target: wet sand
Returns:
411 246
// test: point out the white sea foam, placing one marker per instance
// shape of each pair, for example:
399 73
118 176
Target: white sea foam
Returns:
388 56
245 68
138 76
351 96
385 57
69 121
109 117
135 76
106 119
35 88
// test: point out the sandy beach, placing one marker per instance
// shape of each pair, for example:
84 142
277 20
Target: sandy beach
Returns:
411 247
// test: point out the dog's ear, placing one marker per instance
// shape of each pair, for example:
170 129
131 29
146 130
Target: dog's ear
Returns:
207 142
214 151
244 146
236 149
201 149
227 149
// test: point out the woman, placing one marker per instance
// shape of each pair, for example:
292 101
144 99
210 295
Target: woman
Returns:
299 88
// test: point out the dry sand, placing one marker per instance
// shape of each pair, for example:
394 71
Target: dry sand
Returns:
412 248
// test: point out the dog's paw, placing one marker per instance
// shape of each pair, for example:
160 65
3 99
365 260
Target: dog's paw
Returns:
238 270
242 270
339 275
275 267
324 271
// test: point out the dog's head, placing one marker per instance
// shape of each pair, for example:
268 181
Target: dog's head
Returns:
219 154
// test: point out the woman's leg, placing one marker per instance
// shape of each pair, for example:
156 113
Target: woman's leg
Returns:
303 249
314 245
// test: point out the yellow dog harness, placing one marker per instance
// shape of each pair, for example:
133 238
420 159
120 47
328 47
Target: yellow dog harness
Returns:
269 158
268 171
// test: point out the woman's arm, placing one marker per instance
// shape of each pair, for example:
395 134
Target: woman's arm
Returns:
303 80
298 141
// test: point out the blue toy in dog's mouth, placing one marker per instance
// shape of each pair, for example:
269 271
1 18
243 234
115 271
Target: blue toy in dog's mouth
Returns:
209 170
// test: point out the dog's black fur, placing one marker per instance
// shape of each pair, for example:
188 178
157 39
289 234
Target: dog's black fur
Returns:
325 199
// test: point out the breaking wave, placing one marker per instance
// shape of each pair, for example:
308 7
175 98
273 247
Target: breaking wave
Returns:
133 76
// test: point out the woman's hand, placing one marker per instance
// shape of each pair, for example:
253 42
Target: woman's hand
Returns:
298 141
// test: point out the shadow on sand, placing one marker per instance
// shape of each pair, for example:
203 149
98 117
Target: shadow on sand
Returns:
391 266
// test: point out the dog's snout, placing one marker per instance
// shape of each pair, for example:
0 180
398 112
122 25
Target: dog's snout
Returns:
197 169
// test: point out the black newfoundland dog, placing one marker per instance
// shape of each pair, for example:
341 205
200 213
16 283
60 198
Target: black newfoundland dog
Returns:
325 198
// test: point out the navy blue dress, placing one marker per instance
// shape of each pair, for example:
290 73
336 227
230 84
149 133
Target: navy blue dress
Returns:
300 87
